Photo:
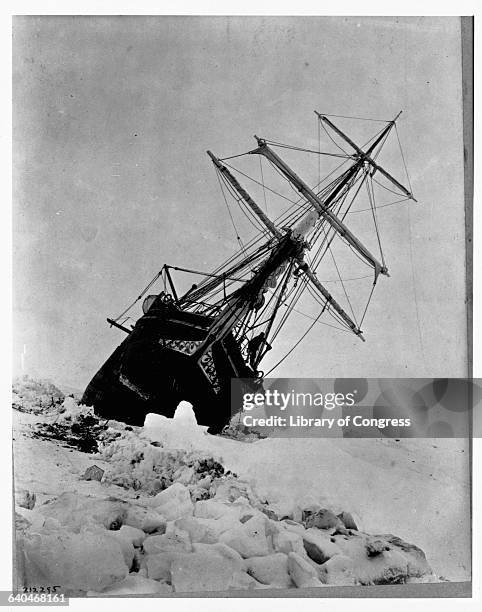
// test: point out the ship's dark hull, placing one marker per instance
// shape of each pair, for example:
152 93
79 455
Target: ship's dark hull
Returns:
153 369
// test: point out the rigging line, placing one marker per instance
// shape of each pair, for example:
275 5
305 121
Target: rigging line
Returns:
263 313
250 245
316 236
371 198
333 313
319 149
280 298
351 157
243 325
363 178
381 145
331 138
284 316
360 258
397 193
260 184
164 284
342 329
381 205
293 148
208 286
294 346
253 219
414 287
320 253
208 274
233 156
319 257
262 180
346 280
360 118
284 217
328 175
362 146
366 307
272 296
371 202
326 305
297 293
141 295
238 238
241 266
124 321
322 192
231 267
339 276
403 159
325 191
342 198
300 199
255 222
372 138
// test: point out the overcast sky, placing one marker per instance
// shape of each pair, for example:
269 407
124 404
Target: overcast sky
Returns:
112 118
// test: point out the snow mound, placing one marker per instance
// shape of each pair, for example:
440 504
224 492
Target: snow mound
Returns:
182 431
138 462
31 395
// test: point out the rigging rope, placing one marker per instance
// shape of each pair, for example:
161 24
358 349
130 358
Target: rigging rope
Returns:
293 148
397 193
360 118
141 295
368 302
297 343
319 149
371 199
339 276
332 139
290 215
414 288
260 184
233 156
403 159
262 180
381 205
238 237
342 329
244 207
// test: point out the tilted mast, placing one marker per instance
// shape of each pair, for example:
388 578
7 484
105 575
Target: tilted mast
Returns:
322 206
365 156
290 247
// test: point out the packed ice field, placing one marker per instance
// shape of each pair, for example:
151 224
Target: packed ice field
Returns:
105 509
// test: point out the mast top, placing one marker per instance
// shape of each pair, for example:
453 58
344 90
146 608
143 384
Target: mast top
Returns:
397 116
366 155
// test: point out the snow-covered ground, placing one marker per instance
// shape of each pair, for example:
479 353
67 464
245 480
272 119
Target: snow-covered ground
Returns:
416 489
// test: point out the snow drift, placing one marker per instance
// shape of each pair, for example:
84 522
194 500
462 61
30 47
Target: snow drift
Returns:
171 509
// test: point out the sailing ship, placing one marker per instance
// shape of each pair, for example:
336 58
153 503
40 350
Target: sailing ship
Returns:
190 346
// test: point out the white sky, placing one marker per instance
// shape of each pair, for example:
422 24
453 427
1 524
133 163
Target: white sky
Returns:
112 117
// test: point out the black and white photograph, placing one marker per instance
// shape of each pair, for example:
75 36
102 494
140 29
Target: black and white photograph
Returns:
242 306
